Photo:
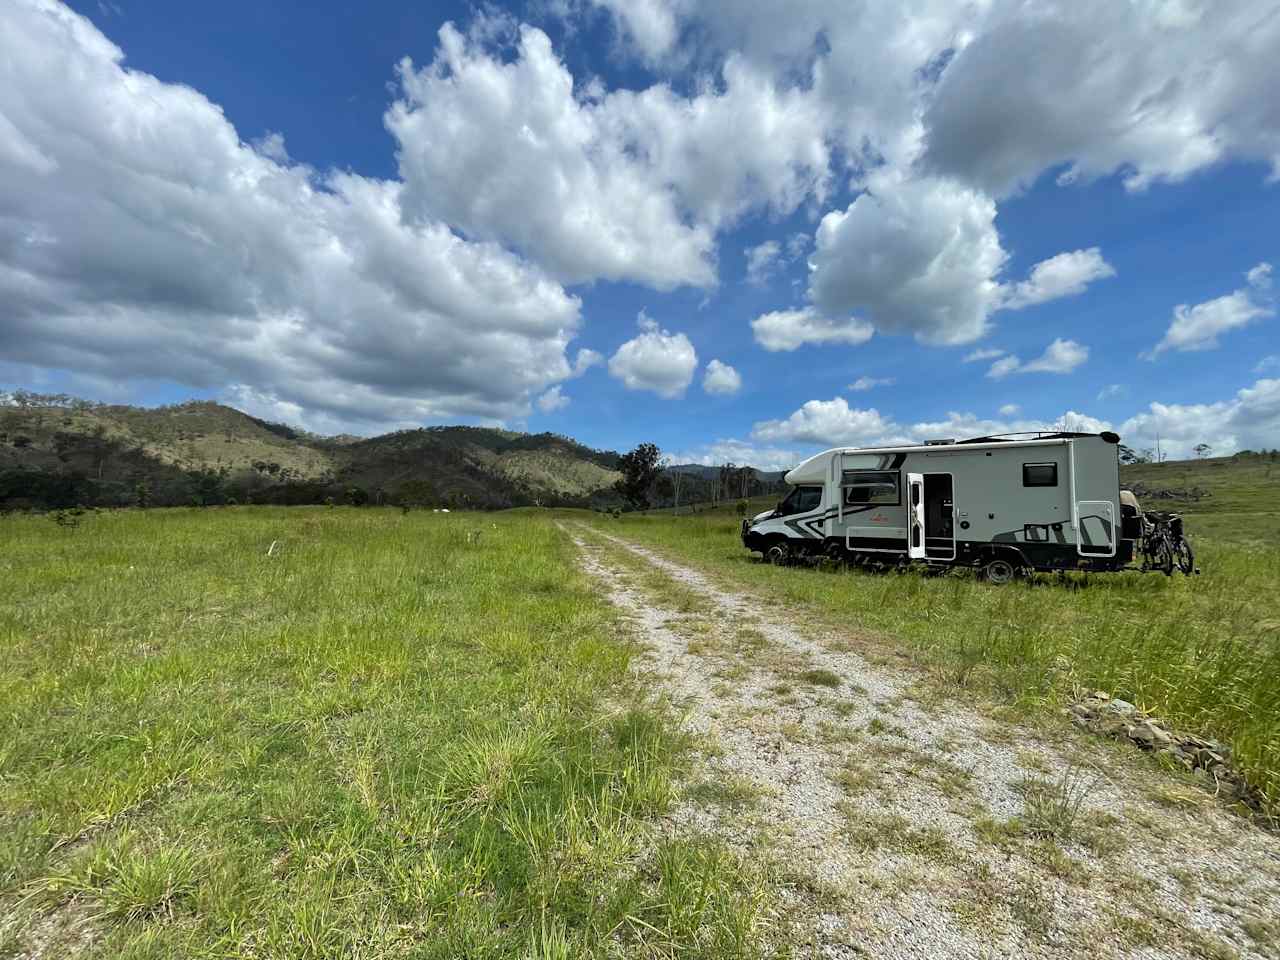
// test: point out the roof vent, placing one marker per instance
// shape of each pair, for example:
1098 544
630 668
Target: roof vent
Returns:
939 443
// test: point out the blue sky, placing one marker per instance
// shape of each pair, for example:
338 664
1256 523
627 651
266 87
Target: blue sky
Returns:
555 216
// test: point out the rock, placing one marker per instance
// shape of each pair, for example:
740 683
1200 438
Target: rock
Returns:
1143 733
1111 726
1121 707
1205 757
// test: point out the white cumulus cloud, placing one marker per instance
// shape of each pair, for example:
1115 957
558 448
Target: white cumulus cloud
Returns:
721 379
923 257
917 257
143 238
656 360
832 423
1061 356
1156 91
1065 275
786 330
740 452
1198 327
863 384
622 185
1249 420
762 261
553 400
819 421
585 360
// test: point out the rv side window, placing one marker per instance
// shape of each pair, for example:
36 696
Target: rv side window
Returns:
879 487
1039 474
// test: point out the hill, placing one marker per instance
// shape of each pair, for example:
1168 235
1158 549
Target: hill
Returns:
59 451
1232 498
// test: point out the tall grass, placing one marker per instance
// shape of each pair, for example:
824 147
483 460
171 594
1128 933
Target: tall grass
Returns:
387 737
1202 652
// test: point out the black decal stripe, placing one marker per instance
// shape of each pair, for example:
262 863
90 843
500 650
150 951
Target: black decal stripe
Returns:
804 525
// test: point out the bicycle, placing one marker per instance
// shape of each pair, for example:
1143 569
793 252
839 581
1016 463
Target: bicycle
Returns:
1164 546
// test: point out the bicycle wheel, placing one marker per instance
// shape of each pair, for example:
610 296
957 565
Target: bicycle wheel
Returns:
1186 560
1163 560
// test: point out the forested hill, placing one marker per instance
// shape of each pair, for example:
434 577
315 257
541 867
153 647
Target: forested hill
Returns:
60 451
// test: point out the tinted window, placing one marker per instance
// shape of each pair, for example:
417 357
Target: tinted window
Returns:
871 487
1039 474
810 499
801 500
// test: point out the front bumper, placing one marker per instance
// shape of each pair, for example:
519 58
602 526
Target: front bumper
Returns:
750 539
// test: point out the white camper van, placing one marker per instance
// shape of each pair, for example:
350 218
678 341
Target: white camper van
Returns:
1003 504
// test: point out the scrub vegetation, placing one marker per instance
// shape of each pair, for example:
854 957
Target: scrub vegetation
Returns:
267 732
1203 653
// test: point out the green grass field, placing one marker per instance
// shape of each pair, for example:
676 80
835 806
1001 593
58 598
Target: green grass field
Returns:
310 732
1203 652
388 736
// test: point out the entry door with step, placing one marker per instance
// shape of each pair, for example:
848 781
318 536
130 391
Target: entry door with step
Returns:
931 514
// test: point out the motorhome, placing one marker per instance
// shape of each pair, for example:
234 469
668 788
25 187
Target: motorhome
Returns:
1002 504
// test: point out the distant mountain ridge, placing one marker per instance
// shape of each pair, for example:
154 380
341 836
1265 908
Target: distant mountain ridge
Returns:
55 449
58 451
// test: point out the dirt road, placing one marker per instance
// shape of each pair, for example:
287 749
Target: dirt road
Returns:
896 824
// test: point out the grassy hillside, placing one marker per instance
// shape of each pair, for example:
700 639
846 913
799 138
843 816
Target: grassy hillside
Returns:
1232 498
57 451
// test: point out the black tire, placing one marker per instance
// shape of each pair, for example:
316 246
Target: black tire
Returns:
1163 559
778 552
999 571
1186 559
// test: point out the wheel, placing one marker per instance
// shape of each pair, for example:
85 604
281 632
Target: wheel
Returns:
778 553
1186 560
1163 558
998 571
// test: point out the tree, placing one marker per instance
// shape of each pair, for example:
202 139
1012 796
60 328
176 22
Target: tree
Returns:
640 469
724 486
677 478
1130 455
1202 450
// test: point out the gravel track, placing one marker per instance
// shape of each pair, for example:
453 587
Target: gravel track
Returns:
881 815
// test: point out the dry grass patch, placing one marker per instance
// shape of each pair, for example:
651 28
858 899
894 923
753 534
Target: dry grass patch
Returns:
1053 808
868 830
821 678
728 790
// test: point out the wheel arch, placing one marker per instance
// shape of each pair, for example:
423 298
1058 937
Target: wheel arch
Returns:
1002 551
